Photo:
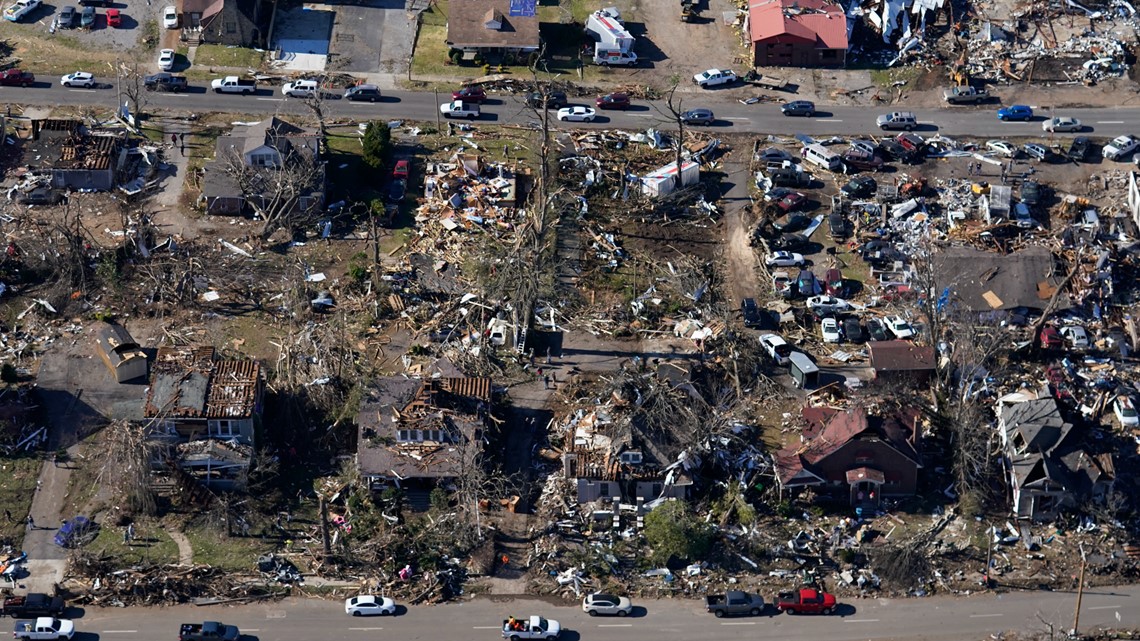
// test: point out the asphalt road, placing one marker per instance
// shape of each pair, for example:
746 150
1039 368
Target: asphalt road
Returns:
934 618
732 115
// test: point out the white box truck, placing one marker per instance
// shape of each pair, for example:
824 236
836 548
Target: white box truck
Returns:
663 181
606 28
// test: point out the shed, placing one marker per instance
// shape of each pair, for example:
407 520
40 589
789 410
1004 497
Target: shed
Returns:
120 353
901 359
663 181
804 371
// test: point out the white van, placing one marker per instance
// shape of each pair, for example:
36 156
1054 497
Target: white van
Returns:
821 156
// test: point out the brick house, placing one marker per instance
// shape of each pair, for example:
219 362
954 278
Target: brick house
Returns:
797 33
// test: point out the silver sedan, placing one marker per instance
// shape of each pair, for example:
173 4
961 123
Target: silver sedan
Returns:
1061 124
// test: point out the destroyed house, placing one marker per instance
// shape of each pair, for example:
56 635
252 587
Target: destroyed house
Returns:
194 395
493 27
797 33
418 434
72 156
609 460
852 455
984 282
1050 470
252 159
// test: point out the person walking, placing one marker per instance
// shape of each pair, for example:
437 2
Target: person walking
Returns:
174 139
546 381
183 146
31 522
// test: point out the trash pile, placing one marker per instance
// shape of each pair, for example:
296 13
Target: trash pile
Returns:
98 581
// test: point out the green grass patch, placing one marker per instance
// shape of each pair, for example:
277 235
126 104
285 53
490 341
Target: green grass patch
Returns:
436 15
151 544
887 77
230 553
17 484
223 56
430 57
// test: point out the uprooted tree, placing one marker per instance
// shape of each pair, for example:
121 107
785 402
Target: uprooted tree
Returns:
674 532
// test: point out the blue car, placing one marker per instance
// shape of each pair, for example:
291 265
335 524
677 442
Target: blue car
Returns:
75 532
1015 112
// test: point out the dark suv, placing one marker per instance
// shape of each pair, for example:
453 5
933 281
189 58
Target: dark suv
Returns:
554 100
362 93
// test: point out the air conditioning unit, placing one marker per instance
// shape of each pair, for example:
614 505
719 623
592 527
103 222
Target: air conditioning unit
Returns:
631 458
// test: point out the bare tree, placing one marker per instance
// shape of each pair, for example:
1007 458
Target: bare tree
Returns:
675 112
131 85
286 193
125 465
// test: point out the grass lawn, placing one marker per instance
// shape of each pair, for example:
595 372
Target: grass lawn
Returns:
17 482
230 553
431 52
223 56
55 55
151 545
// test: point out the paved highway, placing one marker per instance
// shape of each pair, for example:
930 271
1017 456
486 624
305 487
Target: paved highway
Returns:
732 115
936 618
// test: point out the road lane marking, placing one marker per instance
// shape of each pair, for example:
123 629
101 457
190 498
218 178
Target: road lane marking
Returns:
828 120
734 119
1110 122
738 623
985 616
862 620
356 629
615 625
487 627
252 629
119 631
1105 607
273 99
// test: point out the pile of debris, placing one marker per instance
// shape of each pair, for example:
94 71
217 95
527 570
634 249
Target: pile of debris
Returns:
98 581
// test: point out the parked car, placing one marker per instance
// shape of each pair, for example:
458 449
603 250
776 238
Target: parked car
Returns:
899 327
860 160
1002 147
1120 147
1030 192
860 187
829 329
784 259
78 79
612 101
1033 150
795 222
553 100
852 331
94 3
792 202
1015 112
402 170
806 601
114 18
368 605
577 113
66 18
166 59
750 311
876 330
714 78
305 89
459 109
170 17
913 143
698 117
834 283
362 93
20 8
776 347
1125 411
734 602
804 108
789 242
793 176
472 94
965 95
837 225
1061 124
897 120
1075 336
17 78
774 195
165 81
1079 150
606 604
774 156
87 18
35 604
782 284
397 189
823 305
75 532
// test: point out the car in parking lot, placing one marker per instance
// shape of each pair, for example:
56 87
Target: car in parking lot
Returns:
553 100
362 93
829 329
20 8
1015 112
87 18
78 79
776 347
859 187
899 327
114 18
1003 147
166 59
606 604
472 94
170 17
804 108
698 117
577 113
612 101
1061 124
784 259
66 17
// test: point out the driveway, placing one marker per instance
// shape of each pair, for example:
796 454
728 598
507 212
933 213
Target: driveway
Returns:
374 36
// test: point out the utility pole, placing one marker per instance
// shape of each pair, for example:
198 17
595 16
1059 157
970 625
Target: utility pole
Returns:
1080 593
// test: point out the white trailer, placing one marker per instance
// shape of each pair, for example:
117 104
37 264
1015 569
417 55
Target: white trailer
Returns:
606 28
663 181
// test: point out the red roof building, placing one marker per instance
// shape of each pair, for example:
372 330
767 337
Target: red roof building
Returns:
797 33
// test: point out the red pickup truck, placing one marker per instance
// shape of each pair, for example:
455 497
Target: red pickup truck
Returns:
17 78
806 601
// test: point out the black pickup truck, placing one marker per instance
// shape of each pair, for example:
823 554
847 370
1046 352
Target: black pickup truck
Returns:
208 631
165 82
33 605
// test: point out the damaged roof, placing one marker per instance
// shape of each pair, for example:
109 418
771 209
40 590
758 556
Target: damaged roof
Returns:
1037 423
189 382
986 281
67 144
830 430
818 22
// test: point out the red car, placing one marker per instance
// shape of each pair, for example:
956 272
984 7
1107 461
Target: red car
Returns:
470 94
400 171
792 201
613 101
114 18
17 78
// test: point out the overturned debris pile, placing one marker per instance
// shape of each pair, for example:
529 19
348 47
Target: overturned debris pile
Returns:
97 581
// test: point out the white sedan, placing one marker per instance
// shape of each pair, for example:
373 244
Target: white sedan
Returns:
1062 124
827 304
829 327
78 79
1001 147
367 605
899 327
170 17
784 259
576 114
166 59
